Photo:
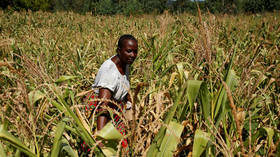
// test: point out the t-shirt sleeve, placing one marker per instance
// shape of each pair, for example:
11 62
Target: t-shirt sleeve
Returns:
106 78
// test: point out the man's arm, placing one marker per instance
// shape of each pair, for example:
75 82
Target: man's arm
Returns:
102 120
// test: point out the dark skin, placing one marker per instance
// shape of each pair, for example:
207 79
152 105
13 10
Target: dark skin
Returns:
125 55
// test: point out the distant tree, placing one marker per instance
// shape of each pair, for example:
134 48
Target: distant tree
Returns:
255 6
154 5
5 3
109 7
222 6
32 4
105 7
130 7
80 6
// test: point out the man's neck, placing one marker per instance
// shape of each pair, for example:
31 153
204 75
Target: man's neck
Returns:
120 65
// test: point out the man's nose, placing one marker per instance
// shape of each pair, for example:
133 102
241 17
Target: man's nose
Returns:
133 54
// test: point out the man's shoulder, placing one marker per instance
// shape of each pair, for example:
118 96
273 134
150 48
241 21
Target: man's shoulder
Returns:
108 66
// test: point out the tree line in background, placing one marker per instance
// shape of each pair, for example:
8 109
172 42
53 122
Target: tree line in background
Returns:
110 7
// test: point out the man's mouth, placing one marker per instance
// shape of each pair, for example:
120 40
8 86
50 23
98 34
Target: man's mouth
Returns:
130 60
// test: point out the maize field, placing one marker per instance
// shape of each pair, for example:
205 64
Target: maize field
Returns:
204 85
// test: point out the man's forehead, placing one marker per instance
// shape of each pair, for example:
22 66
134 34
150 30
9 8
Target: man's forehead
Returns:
130 42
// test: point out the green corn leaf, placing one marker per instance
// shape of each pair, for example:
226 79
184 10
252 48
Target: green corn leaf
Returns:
76 119
110 148
8 137
109 151
34 96
112 135
193 87
154 148
170 140
216 106
83 132
74 131
65 78
18 153
158 53
2 152
79 123
204 95
109 132
192 91
58 106
167 70
160 62
180 69
270 133
222 98
170 59
200 142
67 148
178 99
57 140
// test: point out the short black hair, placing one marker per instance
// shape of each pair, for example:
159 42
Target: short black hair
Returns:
125 37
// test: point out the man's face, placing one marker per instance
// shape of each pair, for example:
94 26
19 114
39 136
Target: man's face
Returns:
128 52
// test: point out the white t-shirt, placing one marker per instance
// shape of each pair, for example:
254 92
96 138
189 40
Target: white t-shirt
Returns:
109 77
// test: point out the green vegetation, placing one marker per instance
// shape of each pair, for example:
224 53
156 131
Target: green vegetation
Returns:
131 7
203 85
